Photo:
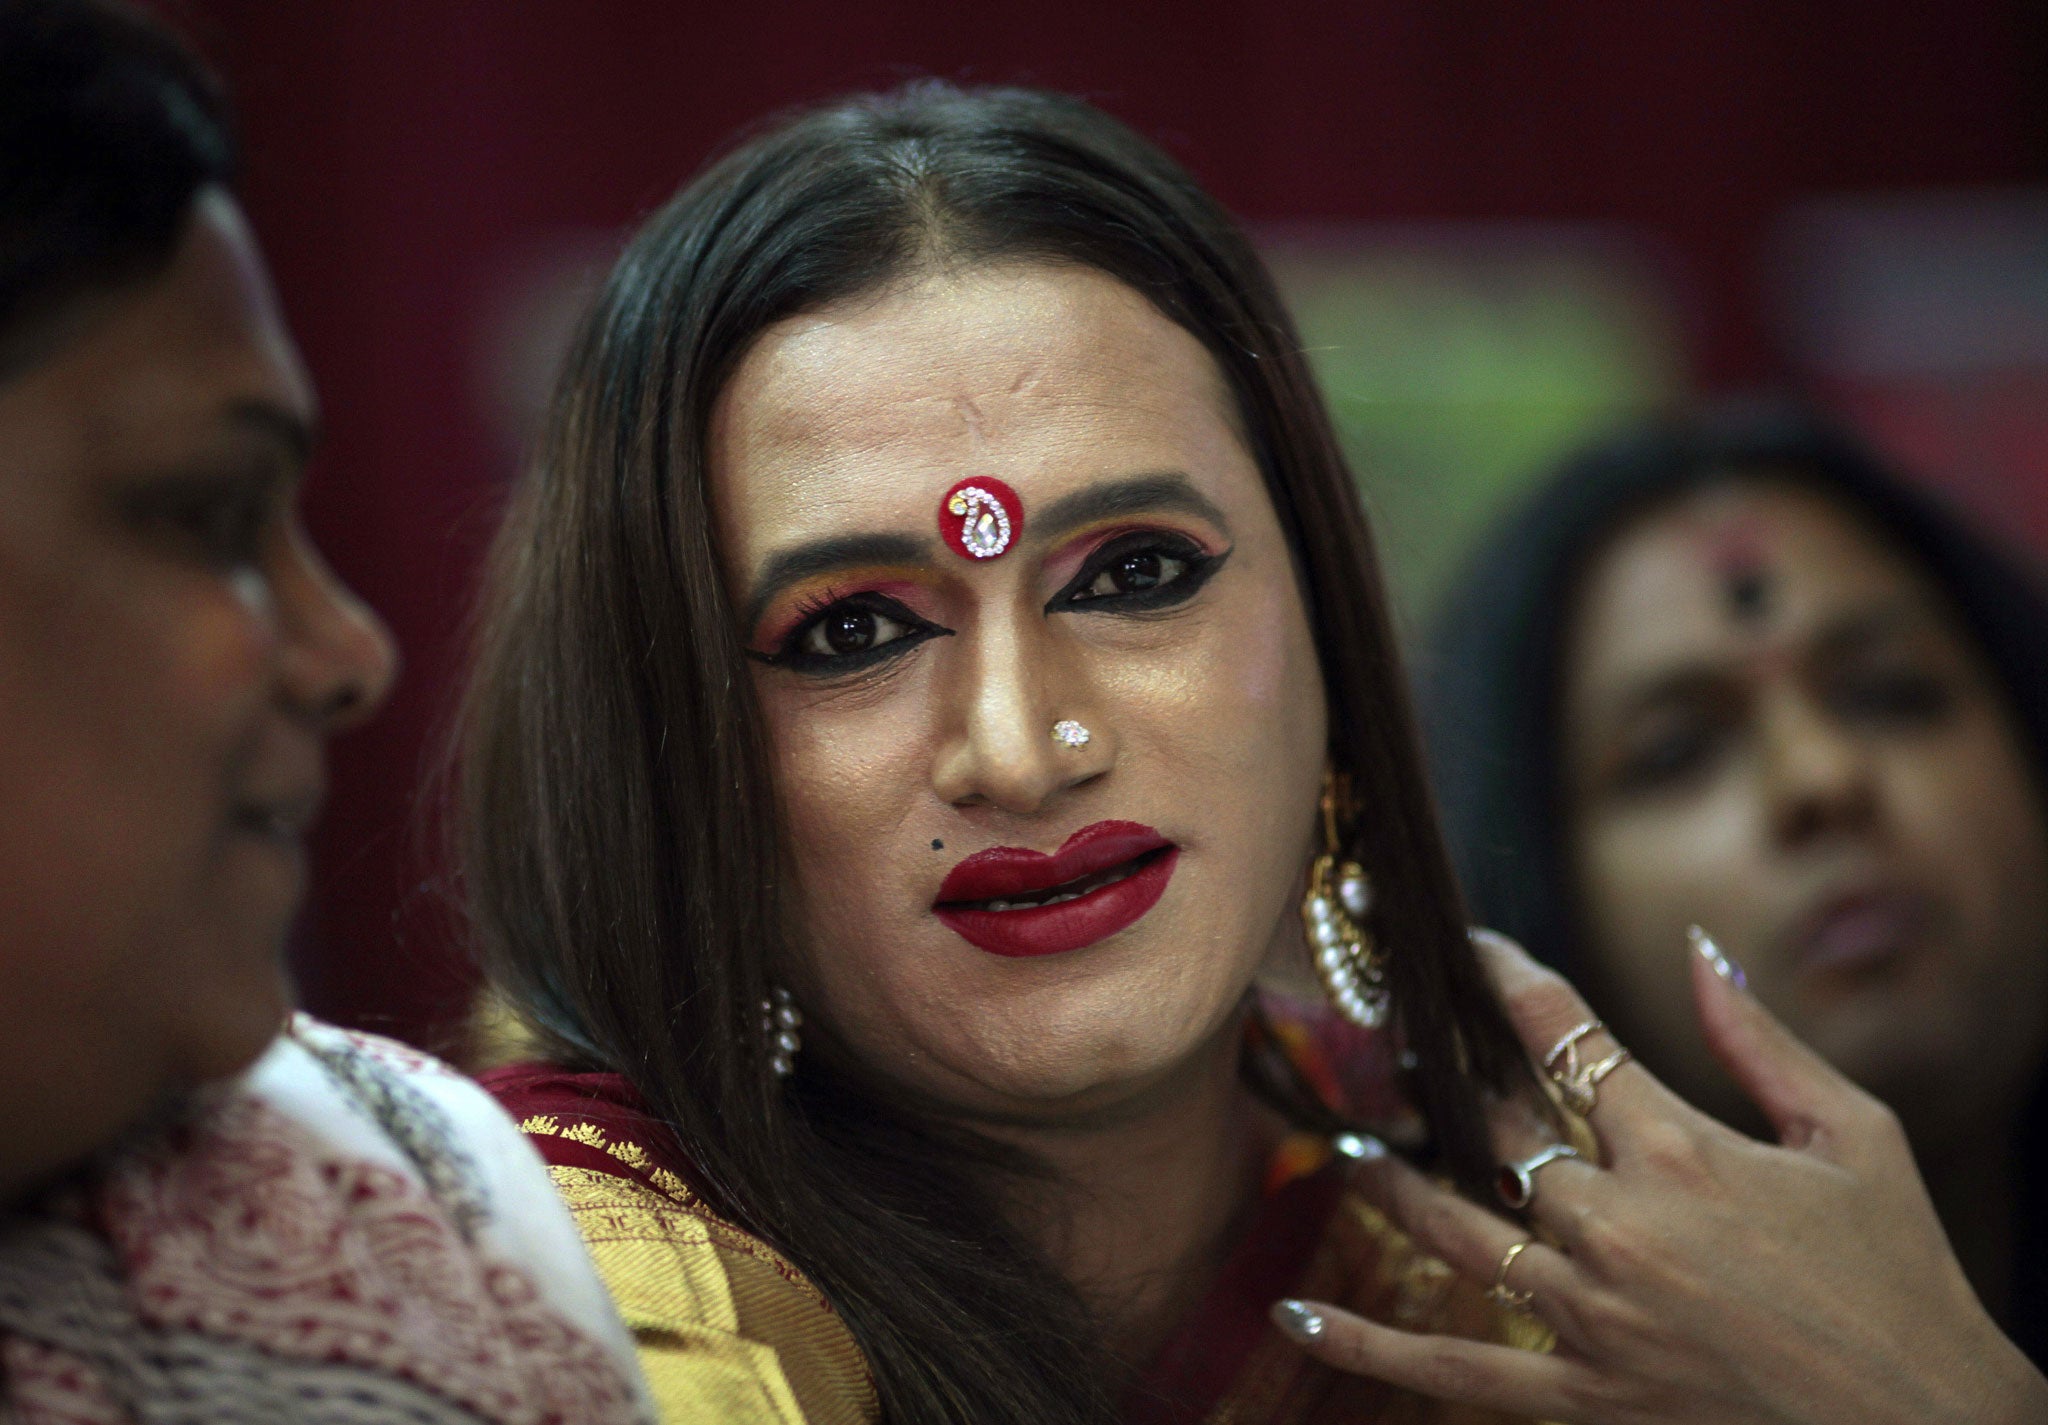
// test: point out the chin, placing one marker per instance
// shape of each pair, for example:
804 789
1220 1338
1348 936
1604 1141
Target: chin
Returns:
1070 1098
1088 1059
237 1019
233 1048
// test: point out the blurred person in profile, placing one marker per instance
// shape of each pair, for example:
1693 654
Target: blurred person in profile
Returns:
211 1209
1728 670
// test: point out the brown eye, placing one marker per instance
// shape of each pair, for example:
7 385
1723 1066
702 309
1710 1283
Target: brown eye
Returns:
224 519
1670 756
1675 746
842 636
1142 572
851 634
850 631
1138 572
1891 697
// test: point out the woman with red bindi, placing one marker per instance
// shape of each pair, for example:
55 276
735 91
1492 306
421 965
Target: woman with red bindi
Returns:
934 666
1728 671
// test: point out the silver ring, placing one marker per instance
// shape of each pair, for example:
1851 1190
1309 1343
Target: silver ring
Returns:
1517 1181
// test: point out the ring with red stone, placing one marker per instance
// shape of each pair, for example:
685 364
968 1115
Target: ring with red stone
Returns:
1517 1181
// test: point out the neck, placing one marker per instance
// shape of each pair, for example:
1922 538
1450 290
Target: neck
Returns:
1139 1211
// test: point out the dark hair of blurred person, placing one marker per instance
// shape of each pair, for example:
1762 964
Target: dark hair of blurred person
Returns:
210 1208
1730 670
112 128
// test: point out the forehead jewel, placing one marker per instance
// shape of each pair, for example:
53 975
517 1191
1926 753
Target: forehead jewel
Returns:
1742 561
979 519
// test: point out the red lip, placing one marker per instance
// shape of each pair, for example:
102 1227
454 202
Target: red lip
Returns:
1011 872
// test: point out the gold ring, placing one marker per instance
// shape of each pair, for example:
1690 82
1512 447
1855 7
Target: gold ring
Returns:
1579 1093
1503 1294
1590 1080
1576 1082
1567 1049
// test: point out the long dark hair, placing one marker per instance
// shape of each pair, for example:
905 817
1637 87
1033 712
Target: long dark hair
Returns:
1493 672
109 127
622 856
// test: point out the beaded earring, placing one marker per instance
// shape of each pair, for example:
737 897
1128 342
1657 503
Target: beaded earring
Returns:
780 1020
1352 967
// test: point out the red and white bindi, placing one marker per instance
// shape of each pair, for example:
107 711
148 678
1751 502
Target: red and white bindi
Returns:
981 518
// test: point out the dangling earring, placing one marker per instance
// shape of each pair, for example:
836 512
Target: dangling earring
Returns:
1352 968
780 1019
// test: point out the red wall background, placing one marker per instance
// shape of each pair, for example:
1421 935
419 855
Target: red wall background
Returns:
399 152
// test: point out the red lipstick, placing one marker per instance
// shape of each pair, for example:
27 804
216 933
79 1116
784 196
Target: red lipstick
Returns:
1008 900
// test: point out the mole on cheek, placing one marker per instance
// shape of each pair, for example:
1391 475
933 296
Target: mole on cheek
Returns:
938 845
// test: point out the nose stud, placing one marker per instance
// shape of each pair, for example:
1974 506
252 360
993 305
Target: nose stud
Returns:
1068 733
980 518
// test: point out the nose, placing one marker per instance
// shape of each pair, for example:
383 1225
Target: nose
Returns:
338 659
1009 686
1820 777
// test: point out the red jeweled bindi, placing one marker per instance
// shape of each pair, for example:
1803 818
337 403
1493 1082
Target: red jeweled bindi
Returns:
980 518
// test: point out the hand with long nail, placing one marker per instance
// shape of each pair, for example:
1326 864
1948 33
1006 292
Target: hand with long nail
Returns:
1692 1273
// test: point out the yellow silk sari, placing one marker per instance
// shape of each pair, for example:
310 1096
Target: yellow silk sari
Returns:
730 1331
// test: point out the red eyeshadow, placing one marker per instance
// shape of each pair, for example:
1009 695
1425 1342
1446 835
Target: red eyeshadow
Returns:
799 606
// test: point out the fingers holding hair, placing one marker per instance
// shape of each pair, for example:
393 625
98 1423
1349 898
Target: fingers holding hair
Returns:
1475 1242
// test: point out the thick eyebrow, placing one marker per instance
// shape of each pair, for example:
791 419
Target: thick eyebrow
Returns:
1139 494
299 435
1844 633
821 556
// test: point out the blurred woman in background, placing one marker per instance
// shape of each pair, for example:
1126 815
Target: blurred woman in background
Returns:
210 1209
1727 670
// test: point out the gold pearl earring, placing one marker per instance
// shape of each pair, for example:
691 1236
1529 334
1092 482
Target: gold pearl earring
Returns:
1351 966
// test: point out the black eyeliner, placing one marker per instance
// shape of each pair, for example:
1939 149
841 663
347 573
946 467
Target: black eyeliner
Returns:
791 655
1201 566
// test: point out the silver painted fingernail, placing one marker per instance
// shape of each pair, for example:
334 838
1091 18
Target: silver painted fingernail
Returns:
1726 968
1298 1319
1359 1147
